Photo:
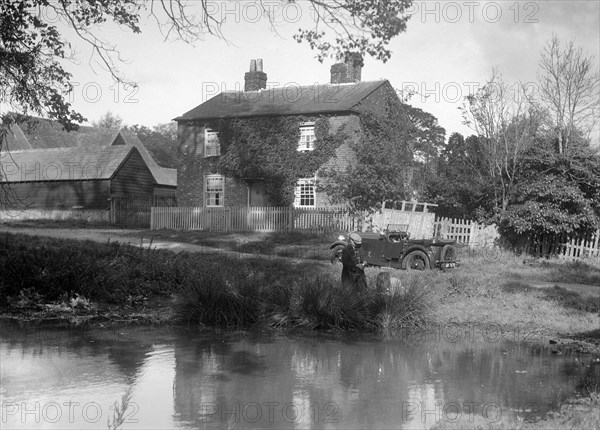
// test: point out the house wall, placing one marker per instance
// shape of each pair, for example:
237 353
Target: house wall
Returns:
133 177
380 100
193 166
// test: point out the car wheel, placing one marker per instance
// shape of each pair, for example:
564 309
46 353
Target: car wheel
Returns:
416 260
449 252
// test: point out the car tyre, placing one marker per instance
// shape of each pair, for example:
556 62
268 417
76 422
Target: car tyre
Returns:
416 260
449 252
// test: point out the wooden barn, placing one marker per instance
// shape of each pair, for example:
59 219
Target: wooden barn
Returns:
111 183
96 174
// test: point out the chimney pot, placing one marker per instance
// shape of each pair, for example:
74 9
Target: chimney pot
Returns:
348 71
255 79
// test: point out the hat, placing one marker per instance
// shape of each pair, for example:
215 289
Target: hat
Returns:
355 237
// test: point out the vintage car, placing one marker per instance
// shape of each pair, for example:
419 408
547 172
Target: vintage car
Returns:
394 248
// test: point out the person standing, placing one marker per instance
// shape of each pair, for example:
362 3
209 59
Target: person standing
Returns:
353 268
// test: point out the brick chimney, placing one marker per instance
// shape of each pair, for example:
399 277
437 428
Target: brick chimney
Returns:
349 71
255 79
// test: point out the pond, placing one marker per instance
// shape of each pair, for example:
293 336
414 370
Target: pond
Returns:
65 377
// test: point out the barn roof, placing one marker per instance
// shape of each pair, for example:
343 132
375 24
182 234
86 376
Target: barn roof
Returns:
43 133
162 175
40 134
63 164
15 140
285 100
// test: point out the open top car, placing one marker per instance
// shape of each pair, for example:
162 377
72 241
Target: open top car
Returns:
394 248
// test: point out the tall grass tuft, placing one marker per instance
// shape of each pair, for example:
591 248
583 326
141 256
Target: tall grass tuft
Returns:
407 309
313 303
214 300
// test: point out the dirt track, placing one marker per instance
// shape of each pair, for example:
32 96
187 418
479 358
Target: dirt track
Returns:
104 235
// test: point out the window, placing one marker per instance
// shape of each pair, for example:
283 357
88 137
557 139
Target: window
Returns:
307 137
212 147
305 193
214 190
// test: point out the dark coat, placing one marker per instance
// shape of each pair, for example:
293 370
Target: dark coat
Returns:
351 273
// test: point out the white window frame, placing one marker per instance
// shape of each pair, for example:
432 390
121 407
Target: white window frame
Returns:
307 138
215 197
301 194
211 150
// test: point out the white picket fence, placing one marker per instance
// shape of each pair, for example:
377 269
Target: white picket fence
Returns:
580 247
239 219
421 224
466 232
477 235
272 219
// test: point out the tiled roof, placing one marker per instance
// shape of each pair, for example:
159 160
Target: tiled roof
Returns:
63 164
162 175
285 100
42 134
170 176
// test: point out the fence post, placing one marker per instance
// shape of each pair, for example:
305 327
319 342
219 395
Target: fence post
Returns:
290 213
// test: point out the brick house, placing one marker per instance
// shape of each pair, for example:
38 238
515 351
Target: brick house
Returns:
340 102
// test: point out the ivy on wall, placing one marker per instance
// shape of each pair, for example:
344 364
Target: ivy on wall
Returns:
383 166
265 149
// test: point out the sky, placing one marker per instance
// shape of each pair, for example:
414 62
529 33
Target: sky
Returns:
447 51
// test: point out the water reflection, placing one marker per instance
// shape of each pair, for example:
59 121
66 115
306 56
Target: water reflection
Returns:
207 379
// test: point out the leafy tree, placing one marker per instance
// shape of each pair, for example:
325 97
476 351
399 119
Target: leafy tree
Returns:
109 120
160 140
460 187
428 136
558 197
382 169
427 141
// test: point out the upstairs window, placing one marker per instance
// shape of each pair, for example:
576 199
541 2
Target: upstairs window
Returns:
214 190
305 195
212 148
307 137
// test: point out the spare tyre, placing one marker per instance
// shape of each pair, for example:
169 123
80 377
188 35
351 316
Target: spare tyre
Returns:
449 253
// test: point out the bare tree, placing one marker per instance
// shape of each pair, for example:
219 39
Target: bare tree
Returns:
506 120
570 90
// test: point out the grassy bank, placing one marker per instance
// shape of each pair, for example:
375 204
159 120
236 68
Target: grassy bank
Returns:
44 276
492 290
